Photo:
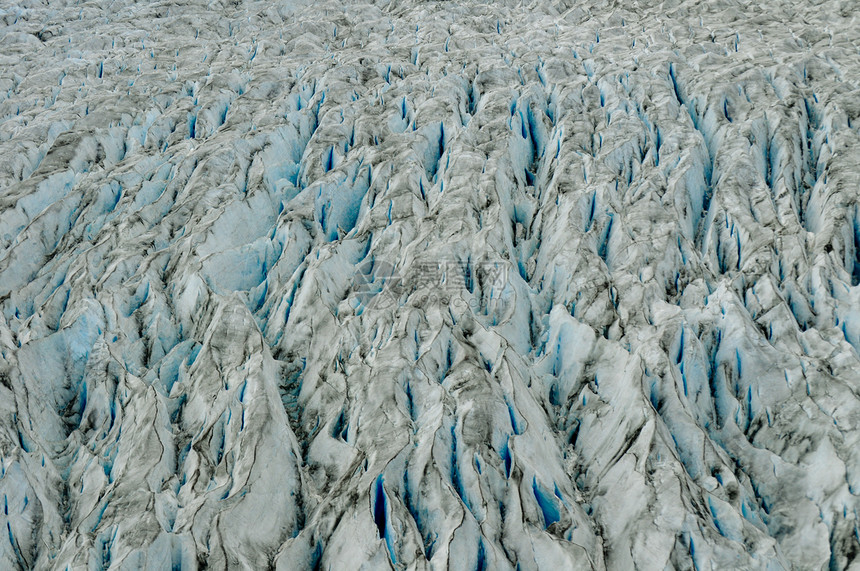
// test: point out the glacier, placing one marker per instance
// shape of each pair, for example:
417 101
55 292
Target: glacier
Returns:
430 285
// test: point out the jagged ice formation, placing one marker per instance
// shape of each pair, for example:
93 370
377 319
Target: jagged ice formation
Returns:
428 285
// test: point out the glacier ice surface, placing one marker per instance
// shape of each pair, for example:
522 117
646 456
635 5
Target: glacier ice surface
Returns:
429 285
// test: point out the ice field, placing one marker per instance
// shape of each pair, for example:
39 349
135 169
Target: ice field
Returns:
430 285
